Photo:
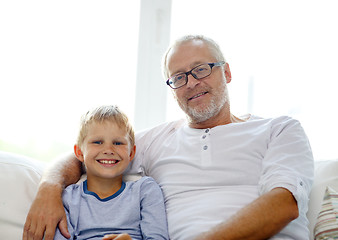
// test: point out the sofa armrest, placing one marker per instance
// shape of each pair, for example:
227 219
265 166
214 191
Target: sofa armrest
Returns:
19 179
326 174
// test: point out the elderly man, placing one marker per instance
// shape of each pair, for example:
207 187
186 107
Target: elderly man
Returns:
223 177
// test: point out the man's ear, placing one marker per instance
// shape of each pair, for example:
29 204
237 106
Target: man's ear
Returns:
227 72
78 153
132 153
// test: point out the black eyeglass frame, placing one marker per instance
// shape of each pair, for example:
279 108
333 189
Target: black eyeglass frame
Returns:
192 74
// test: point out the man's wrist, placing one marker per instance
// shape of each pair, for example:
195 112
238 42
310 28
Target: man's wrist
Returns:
49 187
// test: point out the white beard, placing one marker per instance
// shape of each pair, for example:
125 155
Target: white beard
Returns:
195 115
199 114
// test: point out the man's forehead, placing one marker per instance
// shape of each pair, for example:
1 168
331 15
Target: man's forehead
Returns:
193 45
188 55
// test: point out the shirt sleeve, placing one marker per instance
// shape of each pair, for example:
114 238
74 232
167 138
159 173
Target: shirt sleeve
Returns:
288 162
66 197
153 215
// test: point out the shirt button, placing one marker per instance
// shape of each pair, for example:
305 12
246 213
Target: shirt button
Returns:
301 183
206 130
204 136
205 147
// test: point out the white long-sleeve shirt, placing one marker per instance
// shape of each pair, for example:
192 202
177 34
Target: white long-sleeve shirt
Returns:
207 175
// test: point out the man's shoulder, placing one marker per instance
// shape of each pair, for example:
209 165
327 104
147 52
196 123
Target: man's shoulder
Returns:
286 126
283 119
161 129
275 118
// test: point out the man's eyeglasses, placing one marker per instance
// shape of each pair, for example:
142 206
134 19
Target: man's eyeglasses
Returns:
198 72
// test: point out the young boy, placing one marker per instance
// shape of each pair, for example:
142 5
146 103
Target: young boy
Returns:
104 204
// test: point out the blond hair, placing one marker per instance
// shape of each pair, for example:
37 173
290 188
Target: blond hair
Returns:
105 113
213 47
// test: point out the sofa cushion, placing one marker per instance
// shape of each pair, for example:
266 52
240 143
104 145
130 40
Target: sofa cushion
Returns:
326 175
327 221
19 178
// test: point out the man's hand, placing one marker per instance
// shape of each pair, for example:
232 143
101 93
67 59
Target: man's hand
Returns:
261 219
123 236
45 214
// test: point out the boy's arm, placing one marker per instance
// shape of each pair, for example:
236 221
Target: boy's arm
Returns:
47 211
58 235
153 214
70 208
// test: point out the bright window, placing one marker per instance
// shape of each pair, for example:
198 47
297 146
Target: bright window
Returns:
283 58
57 60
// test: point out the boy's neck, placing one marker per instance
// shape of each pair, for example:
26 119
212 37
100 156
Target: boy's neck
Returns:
104 187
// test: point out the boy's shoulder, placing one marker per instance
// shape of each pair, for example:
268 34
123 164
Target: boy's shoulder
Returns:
144 183
142 180
74 187
145 188
72 193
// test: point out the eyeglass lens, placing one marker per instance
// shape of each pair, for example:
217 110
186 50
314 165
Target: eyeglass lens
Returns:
198 72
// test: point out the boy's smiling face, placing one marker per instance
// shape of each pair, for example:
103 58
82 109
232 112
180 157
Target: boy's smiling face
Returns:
106 150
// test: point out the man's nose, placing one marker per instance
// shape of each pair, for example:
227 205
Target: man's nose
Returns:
192 81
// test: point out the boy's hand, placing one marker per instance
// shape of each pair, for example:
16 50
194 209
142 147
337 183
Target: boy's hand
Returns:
123 236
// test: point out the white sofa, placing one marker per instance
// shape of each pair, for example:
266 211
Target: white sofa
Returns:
20 175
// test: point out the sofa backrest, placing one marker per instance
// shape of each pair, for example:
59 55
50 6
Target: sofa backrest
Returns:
20 176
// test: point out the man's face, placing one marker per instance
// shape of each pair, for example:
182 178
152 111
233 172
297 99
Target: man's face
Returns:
199 99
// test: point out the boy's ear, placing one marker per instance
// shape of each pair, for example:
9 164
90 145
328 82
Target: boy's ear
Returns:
78 153
132 153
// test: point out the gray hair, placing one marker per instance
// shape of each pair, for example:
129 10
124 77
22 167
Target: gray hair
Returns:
213 46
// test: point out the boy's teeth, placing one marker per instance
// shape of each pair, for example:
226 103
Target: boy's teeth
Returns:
108 161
